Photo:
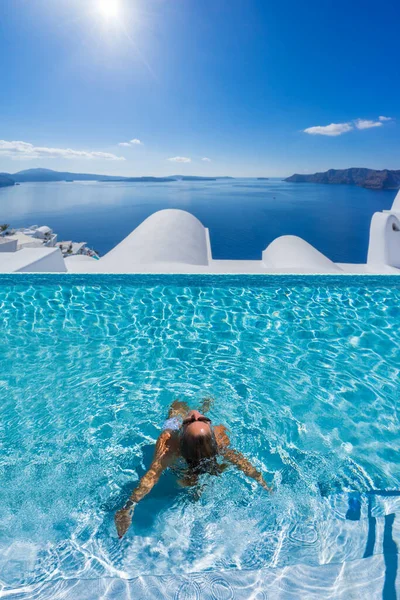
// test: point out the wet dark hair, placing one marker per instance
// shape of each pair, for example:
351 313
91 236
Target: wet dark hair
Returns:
199 451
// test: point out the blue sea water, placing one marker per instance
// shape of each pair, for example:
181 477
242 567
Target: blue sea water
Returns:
243 215
304 372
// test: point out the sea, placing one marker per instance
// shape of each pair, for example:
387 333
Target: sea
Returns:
242 215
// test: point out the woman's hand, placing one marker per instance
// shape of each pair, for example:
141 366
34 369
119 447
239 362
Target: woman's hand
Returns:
123 520
262 482
266 486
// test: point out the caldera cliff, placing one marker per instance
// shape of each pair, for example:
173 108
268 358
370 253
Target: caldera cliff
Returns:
367 178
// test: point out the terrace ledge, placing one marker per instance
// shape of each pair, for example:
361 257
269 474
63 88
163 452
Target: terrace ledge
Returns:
175 241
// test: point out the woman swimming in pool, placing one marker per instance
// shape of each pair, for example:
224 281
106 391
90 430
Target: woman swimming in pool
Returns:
187 434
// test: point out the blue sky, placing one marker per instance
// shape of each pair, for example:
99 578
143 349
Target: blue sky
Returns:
250 85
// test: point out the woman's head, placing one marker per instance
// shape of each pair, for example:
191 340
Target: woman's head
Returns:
197 440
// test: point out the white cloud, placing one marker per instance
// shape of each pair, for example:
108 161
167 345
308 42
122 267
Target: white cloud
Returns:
366 124
24 150
134 142
333 129
180 159
205 159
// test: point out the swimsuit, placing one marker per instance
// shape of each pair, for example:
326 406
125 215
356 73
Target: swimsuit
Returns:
174 424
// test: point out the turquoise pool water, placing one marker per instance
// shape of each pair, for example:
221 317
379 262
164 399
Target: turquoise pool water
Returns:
304 372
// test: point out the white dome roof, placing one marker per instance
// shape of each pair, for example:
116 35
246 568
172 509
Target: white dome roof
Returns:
167 236
292 252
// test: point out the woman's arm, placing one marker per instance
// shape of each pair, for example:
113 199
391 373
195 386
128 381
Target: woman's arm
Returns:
237 459
161 460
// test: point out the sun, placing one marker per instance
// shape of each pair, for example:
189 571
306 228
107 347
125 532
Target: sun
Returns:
108 9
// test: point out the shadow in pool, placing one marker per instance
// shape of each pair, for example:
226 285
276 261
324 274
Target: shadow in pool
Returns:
390 550
369 548
390 553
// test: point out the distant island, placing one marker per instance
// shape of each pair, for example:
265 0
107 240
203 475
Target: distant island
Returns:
32 175
140 179
193 178
5 180
366 178
263 178
162 179
47 175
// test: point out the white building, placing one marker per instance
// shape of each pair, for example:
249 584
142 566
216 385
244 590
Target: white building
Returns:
30 249
70 248
32 237
46 234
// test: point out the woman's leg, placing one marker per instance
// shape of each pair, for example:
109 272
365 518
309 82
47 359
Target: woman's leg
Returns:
206 405
178 409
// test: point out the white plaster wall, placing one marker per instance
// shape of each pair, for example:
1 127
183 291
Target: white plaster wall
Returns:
33 260
396 203
292 252
80 263
384 240
8 245
52 262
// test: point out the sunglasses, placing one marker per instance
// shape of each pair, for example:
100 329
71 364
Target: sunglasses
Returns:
192 419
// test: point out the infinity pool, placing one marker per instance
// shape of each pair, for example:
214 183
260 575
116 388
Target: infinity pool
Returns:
304 372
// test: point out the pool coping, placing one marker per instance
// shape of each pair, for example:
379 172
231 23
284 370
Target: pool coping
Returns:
204 279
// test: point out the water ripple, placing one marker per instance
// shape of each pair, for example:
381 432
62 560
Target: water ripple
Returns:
306 377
